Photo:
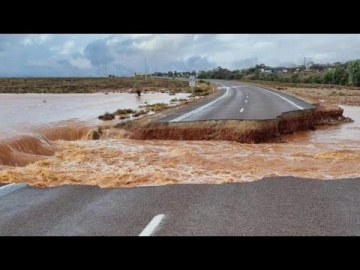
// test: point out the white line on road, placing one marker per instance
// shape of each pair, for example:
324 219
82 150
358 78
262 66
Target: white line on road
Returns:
186 115
4 190
292 103
246 101
151 227
238 86
242 109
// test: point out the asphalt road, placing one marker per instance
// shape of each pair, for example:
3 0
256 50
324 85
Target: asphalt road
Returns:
284 206
239 101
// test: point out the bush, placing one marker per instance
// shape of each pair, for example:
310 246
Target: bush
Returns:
141 112
354 72
123 111
340 75
107 116
328 77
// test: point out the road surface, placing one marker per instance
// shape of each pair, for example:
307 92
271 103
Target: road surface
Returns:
282 206
239 101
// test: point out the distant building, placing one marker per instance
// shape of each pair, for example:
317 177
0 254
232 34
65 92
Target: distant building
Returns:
291 69
277 70
142 75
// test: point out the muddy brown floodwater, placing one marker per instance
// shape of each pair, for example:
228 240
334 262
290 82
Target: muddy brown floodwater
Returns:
330 152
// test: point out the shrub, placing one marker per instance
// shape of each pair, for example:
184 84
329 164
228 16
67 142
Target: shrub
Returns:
123 111
354 72
107 116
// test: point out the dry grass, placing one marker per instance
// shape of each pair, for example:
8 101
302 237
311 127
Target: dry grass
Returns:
89 85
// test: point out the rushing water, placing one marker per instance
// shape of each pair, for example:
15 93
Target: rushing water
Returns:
327 153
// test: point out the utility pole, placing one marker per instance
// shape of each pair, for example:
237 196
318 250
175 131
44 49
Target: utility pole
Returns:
145 70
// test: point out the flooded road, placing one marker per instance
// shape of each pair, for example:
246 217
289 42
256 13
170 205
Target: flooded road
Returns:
114 160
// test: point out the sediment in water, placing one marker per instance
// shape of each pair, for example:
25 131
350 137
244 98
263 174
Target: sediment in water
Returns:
27 149
23 150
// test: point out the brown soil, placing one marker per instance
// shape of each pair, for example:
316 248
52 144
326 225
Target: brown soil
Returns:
239 130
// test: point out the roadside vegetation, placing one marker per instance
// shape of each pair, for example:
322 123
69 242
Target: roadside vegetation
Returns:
143 110
314 74
347 73
202 88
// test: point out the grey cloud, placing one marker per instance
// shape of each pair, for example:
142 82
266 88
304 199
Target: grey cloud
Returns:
192 63
110 51
199 62
126 54
98 53
245 63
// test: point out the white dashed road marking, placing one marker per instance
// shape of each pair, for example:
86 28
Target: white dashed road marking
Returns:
4 190
242 109
152 226
186 115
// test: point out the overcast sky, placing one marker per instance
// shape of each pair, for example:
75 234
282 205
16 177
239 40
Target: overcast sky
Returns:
123 54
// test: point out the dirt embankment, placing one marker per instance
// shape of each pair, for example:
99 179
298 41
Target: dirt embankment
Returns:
239 130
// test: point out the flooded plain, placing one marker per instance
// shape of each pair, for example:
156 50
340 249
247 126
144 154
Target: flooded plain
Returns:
44 141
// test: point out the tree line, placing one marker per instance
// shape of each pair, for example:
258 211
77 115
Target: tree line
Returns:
338 73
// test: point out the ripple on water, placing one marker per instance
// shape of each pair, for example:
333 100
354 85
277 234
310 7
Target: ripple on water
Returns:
327 153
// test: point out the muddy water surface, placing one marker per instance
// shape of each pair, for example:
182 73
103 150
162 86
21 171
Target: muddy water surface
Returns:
327 153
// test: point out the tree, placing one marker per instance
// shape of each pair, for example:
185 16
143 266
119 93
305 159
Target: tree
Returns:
203 75
256 75
328 77
354 72
317 67
340 75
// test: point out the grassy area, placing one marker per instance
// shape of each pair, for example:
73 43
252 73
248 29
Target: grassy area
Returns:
123 111
202 89
156 107
89 85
